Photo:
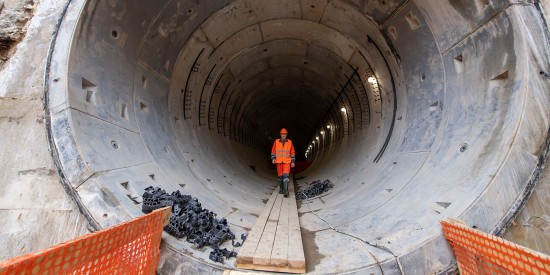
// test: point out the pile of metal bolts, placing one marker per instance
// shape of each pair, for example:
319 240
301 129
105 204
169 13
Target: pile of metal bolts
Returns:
198 225
316 188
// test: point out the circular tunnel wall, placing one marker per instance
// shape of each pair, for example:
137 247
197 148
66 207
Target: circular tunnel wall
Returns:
415 110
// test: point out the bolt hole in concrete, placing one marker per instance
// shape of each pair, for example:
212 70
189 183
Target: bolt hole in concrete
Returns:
198 92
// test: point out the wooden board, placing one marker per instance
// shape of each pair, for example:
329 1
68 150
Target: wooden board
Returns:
247 251
275 241
285 269
263 251
279 254
296 258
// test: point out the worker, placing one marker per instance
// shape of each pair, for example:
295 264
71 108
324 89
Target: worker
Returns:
283 155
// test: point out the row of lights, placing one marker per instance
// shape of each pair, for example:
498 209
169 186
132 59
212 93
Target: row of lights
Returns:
343 109
372 80
317 138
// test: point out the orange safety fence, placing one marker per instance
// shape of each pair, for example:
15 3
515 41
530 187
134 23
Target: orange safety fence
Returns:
481 253
132 247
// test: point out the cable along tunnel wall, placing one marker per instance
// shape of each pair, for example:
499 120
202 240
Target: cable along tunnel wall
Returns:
189 96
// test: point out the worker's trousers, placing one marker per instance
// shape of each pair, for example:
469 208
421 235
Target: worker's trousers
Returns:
283 170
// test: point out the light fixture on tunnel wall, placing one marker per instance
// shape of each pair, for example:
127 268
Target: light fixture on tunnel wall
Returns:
317 137
372 80
322 132
328 126
343 109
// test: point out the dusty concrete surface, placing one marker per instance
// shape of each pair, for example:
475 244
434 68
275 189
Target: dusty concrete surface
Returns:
36 211
531 228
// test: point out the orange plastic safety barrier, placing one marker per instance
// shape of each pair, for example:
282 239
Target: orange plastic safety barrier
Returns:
132 247
480 253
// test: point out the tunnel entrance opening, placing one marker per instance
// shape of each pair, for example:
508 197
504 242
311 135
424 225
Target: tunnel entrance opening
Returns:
381 97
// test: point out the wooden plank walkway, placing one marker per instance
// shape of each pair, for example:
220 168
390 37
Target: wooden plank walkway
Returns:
275 241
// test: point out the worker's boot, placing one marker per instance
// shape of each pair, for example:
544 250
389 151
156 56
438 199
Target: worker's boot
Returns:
280 180
285 187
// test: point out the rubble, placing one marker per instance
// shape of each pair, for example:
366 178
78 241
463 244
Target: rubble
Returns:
189 220
316 188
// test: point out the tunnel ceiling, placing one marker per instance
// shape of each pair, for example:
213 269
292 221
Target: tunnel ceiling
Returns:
415 110
280 64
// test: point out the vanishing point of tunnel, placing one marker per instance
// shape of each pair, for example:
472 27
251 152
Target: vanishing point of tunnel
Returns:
415 110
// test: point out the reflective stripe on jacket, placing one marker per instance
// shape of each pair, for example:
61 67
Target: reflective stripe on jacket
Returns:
283 152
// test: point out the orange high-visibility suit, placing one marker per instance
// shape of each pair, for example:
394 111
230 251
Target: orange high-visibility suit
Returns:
283 153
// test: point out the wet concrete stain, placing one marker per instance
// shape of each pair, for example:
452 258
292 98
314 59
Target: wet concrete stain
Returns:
43 171
311 250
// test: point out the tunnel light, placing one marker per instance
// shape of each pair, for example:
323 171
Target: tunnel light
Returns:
372 80
317 137
322 132
313 142
328 126
343 109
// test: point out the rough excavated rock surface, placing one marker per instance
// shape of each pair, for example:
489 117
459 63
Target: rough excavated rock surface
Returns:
14 16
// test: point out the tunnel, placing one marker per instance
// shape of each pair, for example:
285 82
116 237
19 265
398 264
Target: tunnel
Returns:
415 110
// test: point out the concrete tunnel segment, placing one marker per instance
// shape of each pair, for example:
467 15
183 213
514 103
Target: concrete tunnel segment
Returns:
187 96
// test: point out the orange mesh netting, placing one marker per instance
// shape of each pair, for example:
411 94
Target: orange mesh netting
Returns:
132 247
480 253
